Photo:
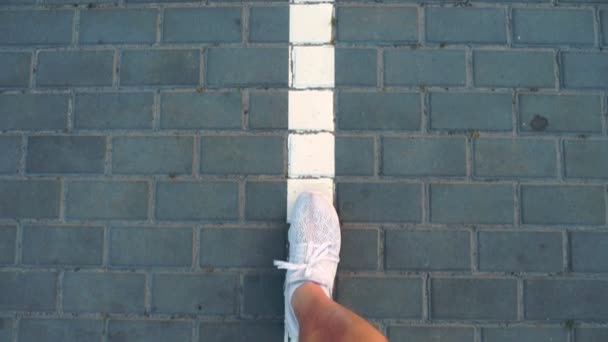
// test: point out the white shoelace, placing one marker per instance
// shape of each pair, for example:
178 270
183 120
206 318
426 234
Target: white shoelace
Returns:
318 253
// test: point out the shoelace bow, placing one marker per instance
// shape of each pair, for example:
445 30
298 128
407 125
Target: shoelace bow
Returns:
318 253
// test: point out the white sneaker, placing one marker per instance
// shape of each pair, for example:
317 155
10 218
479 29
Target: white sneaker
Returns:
314 249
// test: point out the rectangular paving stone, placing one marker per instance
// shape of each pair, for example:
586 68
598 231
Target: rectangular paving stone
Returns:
148 331
59 330
152 155
269 24
515 158
33 112
356 67
563 204
418 333
471 298
359 249
382 297
265 201
59 2
62 245
262 294
8 236
240 331
525 334
122 26
379 202
377 111
424 68
6 327
15 69
513 69
268 110
470 111
591 334
202 25
354 156
192 294
10 153
250 247
246 67
75 68
475 25
151 247
160 67
561 299
107 200
242 155
65 154
377 25
586 159
520 251
211 201
587 252
44 27
29 199
217 110
427 250
423 157
580 70
604 24
27 291
563 113
553 27
113 111
112 292
471 203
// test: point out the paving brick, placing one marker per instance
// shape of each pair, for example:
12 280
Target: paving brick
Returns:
427 250
203 294
515 158
211 201
470 111
263 295
218 110
149 331
118 26
251 247
471 203
268 110
107 200
475 25
586 159
65 154
513 69
359 249
76 2
59 330
6 329
160 67
416 333
240 331
103 292
423 157
377 24
62 245
604 24
379 202
265 201
564 113
381 297
377 111
29 199
520 251
424 68
563 205
152 155
242 155
9 154
202 25
469 298
354 156
33 111
151 247
247 67
356 67
113 111
27 291
535 334
580 70
591 334
15 69
560 26
549 299
269 24
17 2
74 68
8 236
586 250
44 28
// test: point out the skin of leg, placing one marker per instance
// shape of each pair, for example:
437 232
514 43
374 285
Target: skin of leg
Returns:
322 320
